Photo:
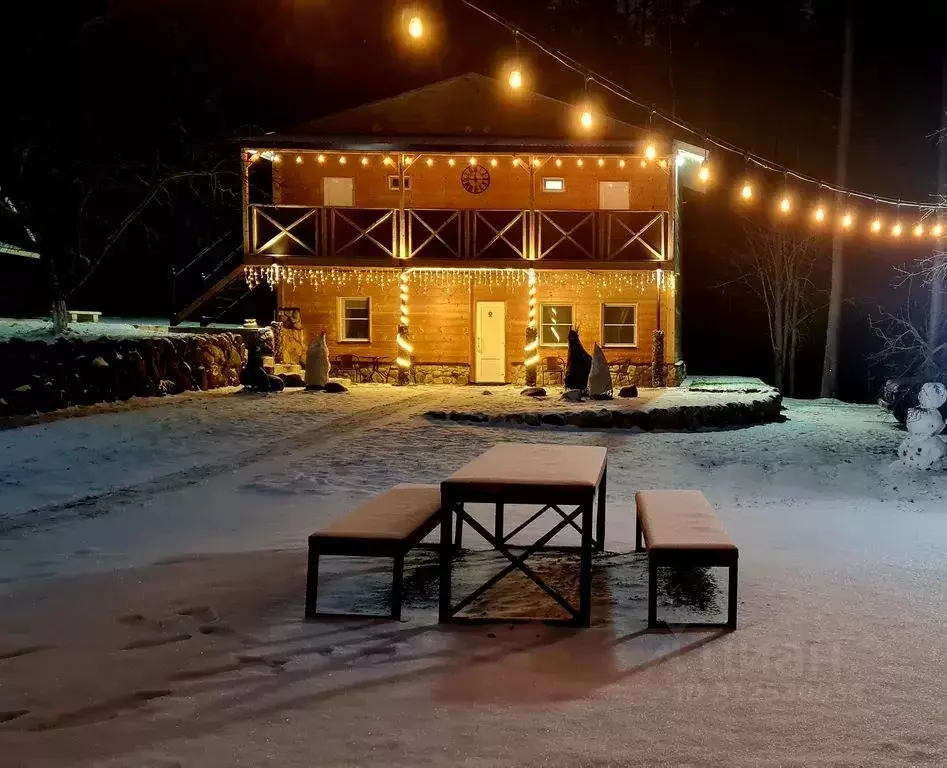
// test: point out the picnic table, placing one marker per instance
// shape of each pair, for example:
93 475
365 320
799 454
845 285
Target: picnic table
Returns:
552 477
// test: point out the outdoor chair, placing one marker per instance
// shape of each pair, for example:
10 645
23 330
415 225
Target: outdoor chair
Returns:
554 367
348 364
620 371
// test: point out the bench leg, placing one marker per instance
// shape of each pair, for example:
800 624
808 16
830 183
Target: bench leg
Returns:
639 546
312 582
652 593
732 598
397 587
459 531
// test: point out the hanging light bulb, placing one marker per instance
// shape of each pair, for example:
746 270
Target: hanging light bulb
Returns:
430 162
601 162
342 160
785 205
558 162
299 159
473 161
321 159
451 162
919 230
897 229
586 119
876 225
493 162
621 163
937 230
704 173
516 78
650 152
364 161
579 162
747 191
847 220
416 27
536 162
819 214
387 161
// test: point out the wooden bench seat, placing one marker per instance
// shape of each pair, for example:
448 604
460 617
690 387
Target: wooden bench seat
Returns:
388 525
679 528
83 316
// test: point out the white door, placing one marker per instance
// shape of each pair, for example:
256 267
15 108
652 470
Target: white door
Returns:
491 342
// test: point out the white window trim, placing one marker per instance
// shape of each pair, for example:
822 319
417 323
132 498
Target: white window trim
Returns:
395 185
619 304
554 178
556 304
341 311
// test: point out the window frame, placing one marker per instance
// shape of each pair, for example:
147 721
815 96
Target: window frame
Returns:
394 183
554 191
542 325
605 304
343 335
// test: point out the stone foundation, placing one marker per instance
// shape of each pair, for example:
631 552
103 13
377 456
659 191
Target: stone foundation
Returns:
441 374
639 375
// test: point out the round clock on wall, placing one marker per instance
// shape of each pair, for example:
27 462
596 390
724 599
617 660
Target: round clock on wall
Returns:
475 179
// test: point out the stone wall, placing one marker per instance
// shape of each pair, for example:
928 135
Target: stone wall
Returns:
41 376
639 375
441 374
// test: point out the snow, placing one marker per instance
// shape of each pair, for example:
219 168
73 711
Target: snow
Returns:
41 329
177 532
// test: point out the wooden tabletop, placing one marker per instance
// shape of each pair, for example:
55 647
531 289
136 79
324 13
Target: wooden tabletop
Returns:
531 464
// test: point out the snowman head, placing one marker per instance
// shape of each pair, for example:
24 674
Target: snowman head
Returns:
932 395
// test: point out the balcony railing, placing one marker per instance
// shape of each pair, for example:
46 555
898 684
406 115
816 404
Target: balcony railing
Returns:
449 235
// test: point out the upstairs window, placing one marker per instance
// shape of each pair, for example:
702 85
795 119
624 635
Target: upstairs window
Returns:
620 325
554 184
355 319
556 322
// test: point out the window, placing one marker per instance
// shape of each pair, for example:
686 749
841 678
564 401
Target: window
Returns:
554 185
556 322
613 195
354 320
337 192
620 325
394 183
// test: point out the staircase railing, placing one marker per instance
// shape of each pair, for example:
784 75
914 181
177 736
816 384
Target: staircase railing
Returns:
210 266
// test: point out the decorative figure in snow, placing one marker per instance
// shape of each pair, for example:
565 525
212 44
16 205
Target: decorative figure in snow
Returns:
255 378
924 449
317 363
578 364
600 378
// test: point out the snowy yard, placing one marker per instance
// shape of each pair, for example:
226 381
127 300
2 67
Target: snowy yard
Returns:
151 580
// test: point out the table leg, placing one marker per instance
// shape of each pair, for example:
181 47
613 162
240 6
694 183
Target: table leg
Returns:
600 528
585 568
447 551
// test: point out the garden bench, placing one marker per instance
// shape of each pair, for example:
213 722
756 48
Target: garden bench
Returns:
388 525
83 316
680 529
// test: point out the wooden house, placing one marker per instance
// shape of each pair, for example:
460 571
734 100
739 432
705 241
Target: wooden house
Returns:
454 234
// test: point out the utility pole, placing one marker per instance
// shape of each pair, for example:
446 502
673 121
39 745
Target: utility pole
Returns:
939 275
833 327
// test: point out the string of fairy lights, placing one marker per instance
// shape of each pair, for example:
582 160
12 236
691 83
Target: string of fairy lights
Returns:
889 216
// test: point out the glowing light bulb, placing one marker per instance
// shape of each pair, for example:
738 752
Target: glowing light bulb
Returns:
451 162
473 160
516 79
847 221
650 152
704 173
516 162
321 159
876 225
558 162
896 230
299 159
364 161
937 230
785 205
601 162
747 192
663 163
586 119
579 162
493 162
342 160
621 163
387 161
644 163
430 162
536 162
416 27
918 230
820 214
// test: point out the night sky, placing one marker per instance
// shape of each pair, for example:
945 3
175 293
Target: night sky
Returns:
118 84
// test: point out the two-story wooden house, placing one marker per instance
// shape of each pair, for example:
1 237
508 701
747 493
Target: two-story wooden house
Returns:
462 234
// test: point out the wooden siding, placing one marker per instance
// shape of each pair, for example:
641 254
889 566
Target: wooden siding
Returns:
443 314
439 186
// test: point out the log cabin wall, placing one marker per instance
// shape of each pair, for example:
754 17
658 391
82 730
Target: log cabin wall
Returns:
439 185
443 312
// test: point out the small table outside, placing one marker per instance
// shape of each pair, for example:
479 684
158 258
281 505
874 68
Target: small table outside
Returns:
374 366
549 476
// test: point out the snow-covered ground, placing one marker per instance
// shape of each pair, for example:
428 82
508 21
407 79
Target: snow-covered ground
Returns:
152 565
33 329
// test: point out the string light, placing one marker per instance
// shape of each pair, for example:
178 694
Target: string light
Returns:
785 205
819 214
387 160
531 349
579 162
451 162
364 161
473 161
847 220
430 162
876 225
536 162
299 159
896 230
416 27
601 162
493 162
919 230
704 173
650 152
342 160
747 191
937 230
621 163
321 159
663 164
558 162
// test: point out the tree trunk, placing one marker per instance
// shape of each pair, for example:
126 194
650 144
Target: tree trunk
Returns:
60 316
833 326
939 276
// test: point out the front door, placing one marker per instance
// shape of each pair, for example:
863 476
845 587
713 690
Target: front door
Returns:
491 342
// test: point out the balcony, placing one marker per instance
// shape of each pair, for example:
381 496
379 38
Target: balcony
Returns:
376 236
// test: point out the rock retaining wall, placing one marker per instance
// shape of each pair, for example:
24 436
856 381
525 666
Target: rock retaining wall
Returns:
676 418
39 376
441 374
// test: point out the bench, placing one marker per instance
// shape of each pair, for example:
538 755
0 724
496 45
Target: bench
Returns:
680 529
83 316
387 526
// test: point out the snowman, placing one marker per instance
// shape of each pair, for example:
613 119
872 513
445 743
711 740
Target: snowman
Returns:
924 449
